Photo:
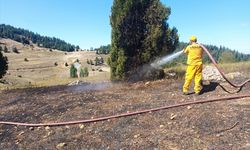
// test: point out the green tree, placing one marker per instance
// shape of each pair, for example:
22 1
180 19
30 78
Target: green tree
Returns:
140 34
77 48
3 64
73 71
5 49
96 61
82 73
227 57
101 60
91 62
86 72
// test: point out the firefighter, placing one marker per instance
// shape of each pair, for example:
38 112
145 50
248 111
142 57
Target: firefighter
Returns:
194 66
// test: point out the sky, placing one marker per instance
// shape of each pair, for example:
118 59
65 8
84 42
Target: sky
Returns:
86 22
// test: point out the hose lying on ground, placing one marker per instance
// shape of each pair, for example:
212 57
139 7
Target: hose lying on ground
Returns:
126 114
143 111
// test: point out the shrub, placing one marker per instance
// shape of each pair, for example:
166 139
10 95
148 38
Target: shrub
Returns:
15 50
25 59
91 62
73 71
86 71
5 49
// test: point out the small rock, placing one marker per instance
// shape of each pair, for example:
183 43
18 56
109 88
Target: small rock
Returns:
219 134
172 116
47 128
61 145
81 126
31 128
189 107
136 136
161 126
21 133
17 142
67 127
147 83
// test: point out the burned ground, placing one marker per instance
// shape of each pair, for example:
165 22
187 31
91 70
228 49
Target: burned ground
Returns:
219 125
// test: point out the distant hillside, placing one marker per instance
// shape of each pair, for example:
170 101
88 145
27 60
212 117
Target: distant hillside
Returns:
28 37
221 54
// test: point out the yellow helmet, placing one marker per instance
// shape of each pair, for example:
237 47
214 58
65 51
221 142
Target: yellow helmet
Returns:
193 38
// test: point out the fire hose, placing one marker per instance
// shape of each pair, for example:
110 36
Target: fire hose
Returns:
146 110
221 72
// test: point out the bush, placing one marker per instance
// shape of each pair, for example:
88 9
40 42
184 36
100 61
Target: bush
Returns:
25 59
56 64
66 64
5 49
91 62
15 50
73 71
84 72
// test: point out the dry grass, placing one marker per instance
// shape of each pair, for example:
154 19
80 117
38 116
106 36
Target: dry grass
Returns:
236 67
242 67
39 69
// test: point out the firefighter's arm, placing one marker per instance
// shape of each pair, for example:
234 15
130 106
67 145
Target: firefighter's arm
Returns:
185 50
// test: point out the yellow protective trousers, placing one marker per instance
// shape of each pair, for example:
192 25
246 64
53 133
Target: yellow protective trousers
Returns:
193 72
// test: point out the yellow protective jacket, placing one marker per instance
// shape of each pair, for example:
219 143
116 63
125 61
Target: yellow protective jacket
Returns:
194 52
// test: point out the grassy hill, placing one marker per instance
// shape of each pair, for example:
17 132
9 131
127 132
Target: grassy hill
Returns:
37 66
27 37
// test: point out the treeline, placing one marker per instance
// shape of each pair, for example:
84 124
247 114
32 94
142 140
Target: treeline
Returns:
26 37
221 54
103 49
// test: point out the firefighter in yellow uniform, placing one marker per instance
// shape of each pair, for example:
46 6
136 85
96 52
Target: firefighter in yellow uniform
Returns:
194 66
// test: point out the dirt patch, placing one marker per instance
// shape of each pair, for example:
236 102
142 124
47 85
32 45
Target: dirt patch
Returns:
203 126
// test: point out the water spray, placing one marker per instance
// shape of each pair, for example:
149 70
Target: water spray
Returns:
158 63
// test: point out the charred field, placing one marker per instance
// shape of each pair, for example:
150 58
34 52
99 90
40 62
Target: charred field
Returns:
218 125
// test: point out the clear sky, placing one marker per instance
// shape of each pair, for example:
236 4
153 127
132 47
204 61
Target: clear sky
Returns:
86 22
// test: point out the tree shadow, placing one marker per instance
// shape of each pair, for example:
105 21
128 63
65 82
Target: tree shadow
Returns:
209 88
